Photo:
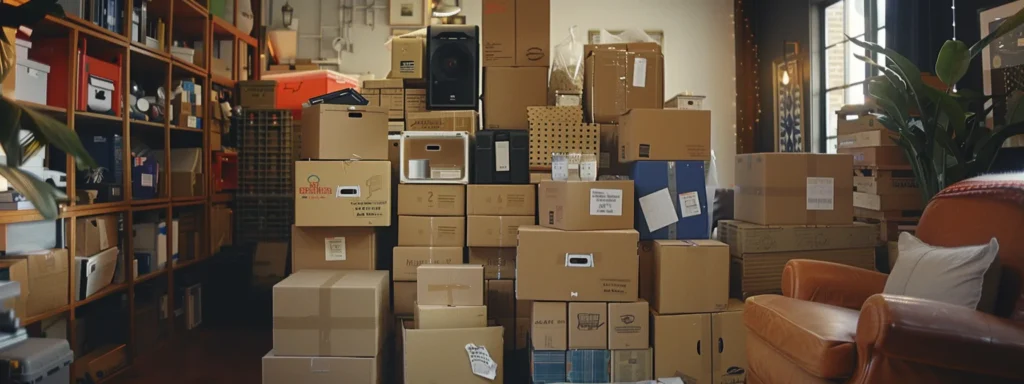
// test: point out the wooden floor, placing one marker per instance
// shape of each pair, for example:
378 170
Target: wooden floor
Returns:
217 355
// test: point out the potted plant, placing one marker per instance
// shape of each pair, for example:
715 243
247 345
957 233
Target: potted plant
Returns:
42 129
943 133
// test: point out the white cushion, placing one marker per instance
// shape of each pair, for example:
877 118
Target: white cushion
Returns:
950 275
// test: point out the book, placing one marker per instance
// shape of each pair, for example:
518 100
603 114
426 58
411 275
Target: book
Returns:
17 206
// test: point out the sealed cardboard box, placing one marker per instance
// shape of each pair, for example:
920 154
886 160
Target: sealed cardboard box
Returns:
440 355
440 284
495 231
465 121
620 77
882 157
671 200
690 276
862 123
759 273
549 329
903 202
431 199
744 238
501 299
407 259
576 265
415 101
405 298
547 366
47 280
608 162
507 93
344 132
628 325
500 200
632 365
296 369
642 133
343 193
586 205
729 360
588 366
431 231
499 263
675 339
794 189
588 325
351 248
898 182
868 139
258 93
94 234
516 33
392 95
331 313
372 95
448 317
407 57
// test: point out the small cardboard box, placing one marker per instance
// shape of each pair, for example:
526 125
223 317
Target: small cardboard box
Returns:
899 182
868 139
295 369
794 189
881 157
642 135
729 359
586 205
576 265
495 231
448 317
690 276
516 33
94 234
498 200
744 238
499 263
415 101
348 248
630 366
407 57
507 93
440 284
344 132
47 280
588 325
407 259
342 193
431 231
675 339
465 121
620 77
258 94
501 299
432 199
392 96
440 355
549 329
331 313
628 325
405 298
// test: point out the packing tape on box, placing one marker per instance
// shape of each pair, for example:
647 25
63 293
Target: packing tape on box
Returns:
433 230
323 322
501 233
449 290
801 191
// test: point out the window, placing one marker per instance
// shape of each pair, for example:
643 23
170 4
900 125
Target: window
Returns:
843 74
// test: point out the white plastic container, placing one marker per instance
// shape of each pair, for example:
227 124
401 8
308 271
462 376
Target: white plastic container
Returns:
683 101
30 80
445 153
21 48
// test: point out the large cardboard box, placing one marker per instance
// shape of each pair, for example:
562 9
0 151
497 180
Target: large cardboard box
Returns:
729 359
549 329
47 280
498 31
431 231
507 93
407 259
331 313
643 132
344 132
516 33
343 193
448 317
630 366
586 205
94 234
392 95
501 200
441 284
464 121
628 325
758 273
794 189
440 355
495 231
405 298
676 354
432 199
576 265
588 325
407 57
296 369
620 77
744 238
501 299
499 263
351 248
690 276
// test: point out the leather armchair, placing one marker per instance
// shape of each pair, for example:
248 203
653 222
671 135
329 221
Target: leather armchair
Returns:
833 324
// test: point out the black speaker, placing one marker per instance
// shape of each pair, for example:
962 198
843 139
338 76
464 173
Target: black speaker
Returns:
453 59
501 157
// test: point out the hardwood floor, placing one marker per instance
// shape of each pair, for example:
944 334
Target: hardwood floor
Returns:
204 356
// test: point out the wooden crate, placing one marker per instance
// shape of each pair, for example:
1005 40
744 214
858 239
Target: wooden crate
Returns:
889 229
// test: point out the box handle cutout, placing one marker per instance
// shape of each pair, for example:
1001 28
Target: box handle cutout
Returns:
579 260
721 345
348 191
355 115
433 147
698 347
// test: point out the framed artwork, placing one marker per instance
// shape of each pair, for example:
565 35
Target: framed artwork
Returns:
788 105
594 35
408 12
1002 63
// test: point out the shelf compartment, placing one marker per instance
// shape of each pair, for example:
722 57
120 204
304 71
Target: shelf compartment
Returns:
109 290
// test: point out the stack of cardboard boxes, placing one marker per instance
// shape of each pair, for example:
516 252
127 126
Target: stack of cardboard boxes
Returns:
516 44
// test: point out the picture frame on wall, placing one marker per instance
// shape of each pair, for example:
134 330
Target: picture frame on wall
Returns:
788 105
408 12
1002 63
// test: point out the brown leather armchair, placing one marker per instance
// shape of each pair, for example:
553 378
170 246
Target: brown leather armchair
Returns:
832 324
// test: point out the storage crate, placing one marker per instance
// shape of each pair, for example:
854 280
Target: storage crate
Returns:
263 219
264 200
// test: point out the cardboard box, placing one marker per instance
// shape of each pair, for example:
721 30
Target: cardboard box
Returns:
628 325
465 121
762 272
94 234
509 325
294 369
342 193
392 95
431 200
258 94
576 265
407 58
522 332
331 313
498 30
501 299
501 200
863 123
868 139
690 276
671 200
744 238
415 101
269 263
440 355
620 77
499 263
608 162
405 297
588 366
407 259
645 251
441 231
186 184
547 366
344 132
448 317
642 135
549 329
794 189
881 157
887 183
17 270
507 93
495 231
586 205
47 280
439 284
676 338
632 365
102 362
537 177
729 360
904 202
588 325
349 248
516 33
372 95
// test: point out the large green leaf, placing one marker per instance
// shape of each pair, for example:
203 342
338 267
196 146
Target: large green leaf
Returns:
989 147
954 112
953 61
7 55
10 115
1008 25
906 70
1015 107
44 196
28 13
50 131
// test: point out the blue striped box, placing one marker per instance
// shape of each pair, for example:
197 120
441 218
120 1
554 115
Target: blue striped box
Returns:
547 366
588 366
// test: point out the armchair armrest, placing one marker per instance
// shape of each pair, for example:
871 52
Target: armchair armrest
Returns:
940 335
830 283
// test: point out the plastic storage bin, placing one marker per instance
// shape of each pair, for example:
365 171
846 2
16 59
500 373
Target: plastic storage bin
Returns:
501 157
434 158
293 89
38 361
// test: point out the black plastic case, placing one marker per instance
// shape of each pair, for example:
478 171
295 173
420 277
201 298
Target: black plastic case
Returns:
501 157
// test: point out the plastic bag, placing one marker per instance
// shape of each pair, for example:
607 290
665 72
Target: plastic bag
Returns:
628 36
566 67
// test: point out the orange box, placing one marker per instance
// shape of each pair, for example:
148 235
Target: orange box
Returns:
296 88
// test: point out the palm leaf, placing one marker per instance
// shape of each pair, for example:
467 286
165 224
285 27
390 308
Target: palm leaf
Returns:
50 131
1008 25
44 196
10 115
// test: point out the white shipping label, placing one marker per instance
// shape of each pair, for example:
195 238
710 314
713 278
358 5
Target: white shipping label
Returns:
480 362
146 180
606 202
640 72
658 210
821 193
501 156
334 249
689 204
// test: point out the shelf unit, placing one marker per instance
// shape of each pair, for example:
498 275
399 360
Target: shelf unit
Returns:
186 20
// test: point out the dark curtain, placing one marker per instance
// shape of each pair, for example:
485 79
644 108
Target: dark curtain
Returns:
748 104
918 28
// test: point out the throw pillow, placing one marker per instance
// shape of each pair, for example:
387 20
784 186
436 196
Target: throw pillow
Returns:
966 276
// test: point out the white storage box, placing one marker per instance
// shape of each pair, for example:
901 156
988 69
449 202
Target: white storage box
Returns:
21 48
30 80
434 157
185 54
95 272
101 93
685 102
